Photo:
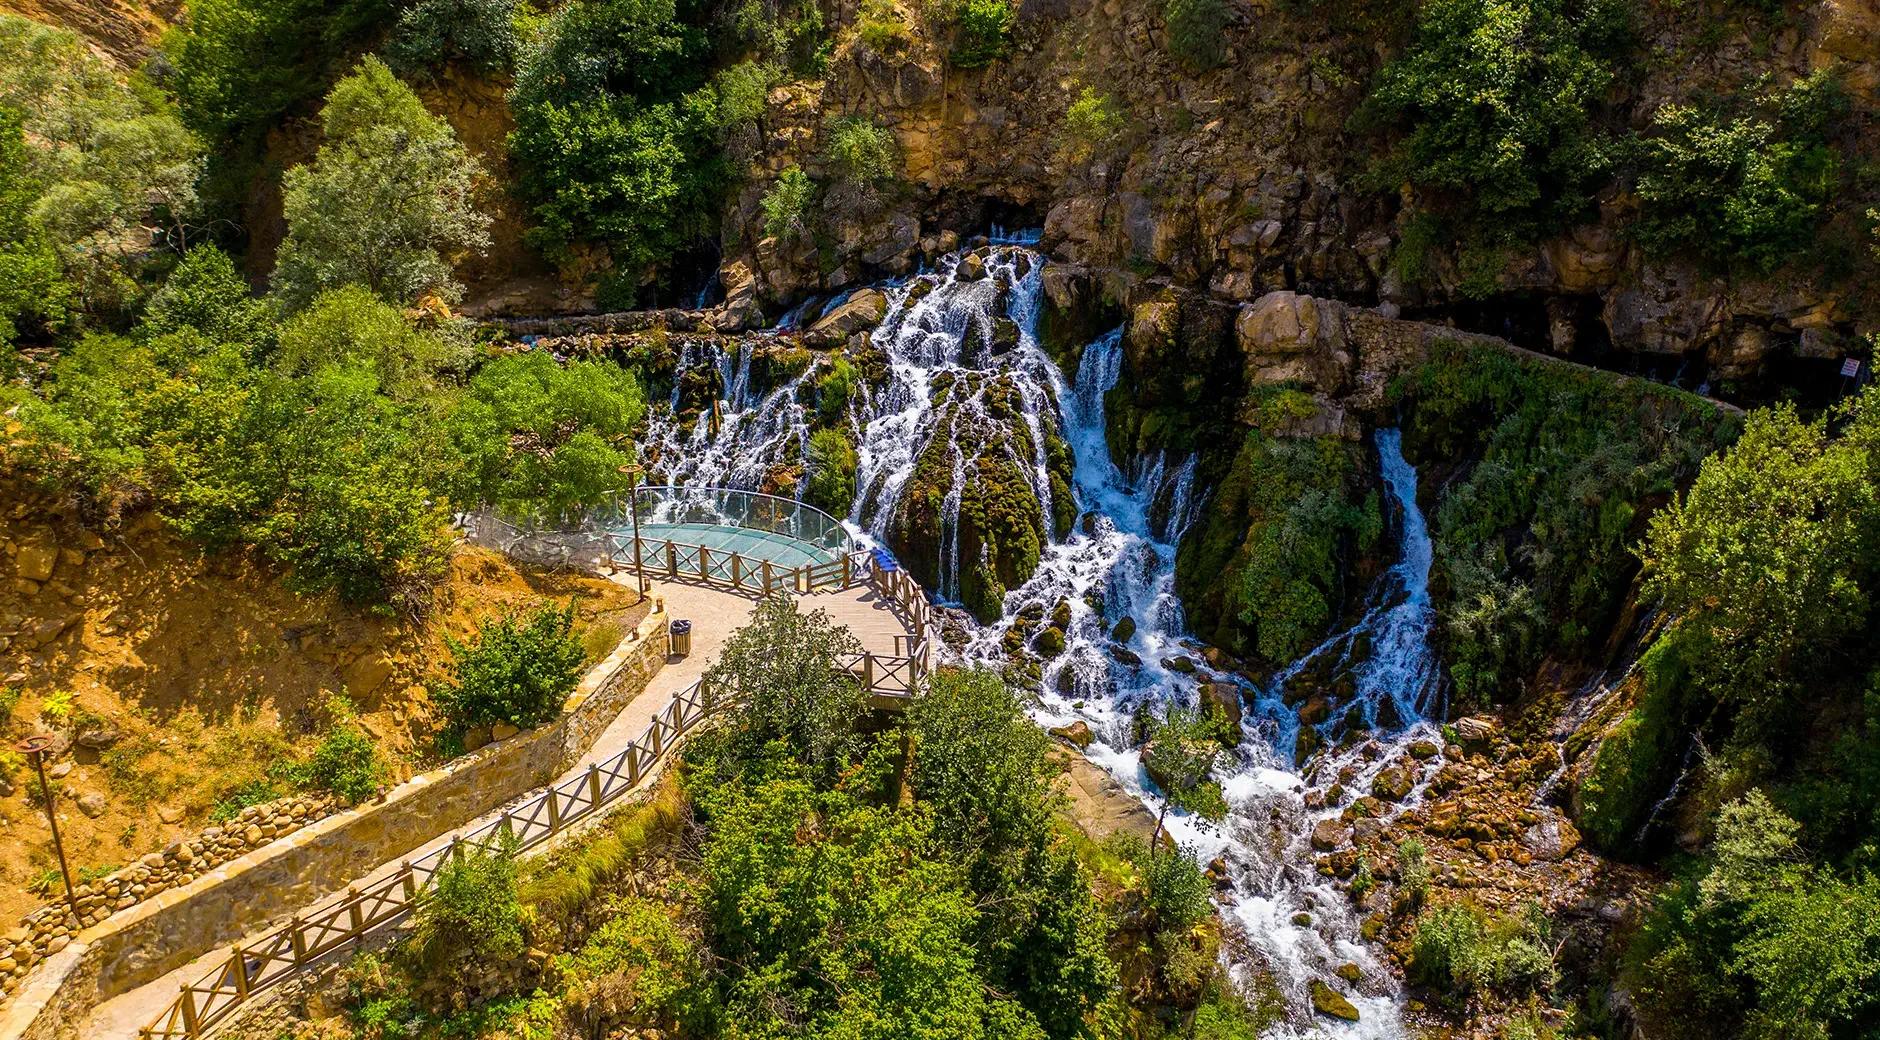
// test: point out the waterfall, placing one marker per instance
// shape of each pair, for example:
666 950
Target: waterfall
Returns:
945 359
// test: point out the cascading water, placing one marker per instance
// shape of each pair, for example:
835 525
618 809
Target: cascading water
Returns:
945 355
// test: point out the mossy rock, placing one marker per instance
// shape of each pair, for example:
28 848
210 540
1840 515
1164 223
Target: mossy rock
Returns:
1330 1002
1049 642
1125 629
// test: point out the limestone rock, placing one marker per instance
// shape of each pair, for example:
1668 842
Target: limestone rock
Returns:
1328 1001
861 312
1475 732
92 804
37 557
1394 782
1222 700
1329 834
1077 734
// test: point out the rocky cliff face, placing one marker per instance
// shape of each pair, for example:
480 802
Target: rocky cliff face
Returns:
1246 180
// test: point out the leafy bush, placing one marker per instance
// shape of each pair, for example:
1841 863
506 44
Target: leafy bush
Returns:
205 293
1197 32
982 32
346 762
1494 100
1459 949
637 967
860 152
831 482
1260 573
784 664
1566 462
471 911
351 325
1174 888
1741 182
518 672
385 203
482 34
786 204
1094 122
540 440
252 793
882 29
617 138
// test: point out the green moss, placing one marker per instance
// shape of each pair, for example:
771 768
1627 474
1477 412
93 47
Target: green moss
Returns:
1534 540
1637 758
1262 572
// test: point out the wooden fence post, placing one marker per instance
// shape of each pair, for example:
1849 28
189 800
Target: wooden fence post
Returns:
736 581
766 577
410 880
704 568
189 1011
239 965
594 786
554 812
297 937
868 672
633 765
848 570
672 561
355 913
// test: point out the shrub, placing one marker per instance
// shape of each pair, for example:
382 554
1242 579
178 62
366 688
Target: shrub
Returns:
346 762
783 663
1741 182
983 32
1197 32
1636 757
860 152
638 966
471 911
519 670
481 34
1174 889
1494 98
786 204
1459 949
882 29
254 792
1094 122
1413 868
831 482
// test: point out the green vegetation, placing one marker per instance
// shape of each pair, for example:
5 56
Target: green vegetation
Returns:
832 461
796 691
1534 542
1093 124
786 205
86 165
1197 32
1261 572
1494 100
1461 949
346 762
1741 181
1638 755
518 672
386 202
982 32
882 29
482 35
1179 756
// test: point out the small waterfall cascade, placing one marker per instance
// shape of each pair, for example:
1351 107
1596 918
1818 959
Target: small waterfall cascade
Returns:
956 341
754 434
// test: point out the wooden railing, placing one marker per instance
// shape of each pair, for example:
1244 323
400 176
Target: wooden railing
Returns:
345 921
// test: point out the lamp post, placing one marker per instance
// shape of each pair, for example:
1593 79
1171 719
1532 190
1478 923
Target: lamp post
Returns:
34 748
632 472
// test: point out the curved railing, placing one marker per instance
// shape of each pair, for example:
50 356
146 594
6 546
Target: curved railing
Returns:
889 680
727 507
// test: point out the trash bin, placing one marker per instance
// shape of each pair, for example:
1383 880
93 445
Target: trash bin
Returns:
680 634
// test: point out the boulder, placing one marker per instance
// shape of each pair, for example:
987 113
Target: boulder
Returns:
37 557
92 804
97 734
1223 700
861 312
1475 733
1394 782
1077 734
1125 629
1328 1001
972 267
1329 834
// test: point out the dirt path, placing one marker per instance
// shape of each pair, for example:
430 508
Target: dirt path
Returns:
714 613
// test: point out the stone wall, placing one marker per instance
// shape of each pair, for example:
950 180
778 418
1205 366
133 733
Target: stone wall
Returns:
50 928
172 928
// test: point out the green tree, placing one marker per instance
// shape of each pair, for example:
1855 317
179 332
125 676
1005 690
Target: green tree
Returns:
346 762
1767 556
519 671
1180 755
33 290
471 911
787 202
540 440
787 668
102 164
1741 182
387 202
1494 98
982 32
352 325
481 34
207 294
831 482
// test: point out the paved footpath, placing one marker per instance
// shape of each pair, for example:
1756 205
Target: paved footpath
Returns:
714 613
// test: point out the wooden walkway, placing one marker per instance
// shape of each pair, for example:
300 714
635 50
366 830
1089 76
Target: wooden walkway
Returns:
670 704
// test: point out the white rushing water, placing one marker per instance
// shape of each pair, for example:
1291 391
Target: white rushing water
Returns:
1119 562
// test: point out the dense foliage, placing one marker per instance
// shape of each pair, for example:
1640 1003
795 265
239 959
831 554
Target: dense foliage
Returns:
387 201
1495 100
1741 181
1261 572
1558 466
518 672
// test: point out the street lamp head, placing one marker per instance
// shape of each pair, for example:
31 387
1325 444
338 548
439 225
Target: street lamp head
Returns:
37 744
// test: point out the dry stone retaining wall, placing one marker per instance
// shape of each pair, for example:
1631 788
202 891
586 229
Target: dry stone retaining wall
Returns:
167 930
